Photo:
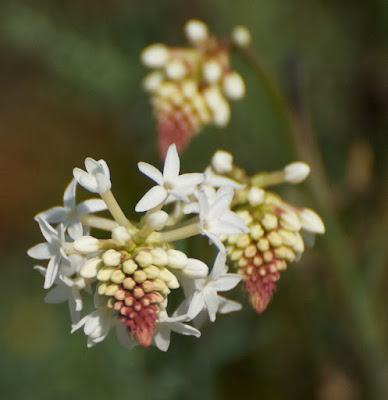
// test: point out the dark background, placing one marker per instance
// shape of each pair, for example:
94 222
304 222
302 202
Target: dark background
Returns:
70 88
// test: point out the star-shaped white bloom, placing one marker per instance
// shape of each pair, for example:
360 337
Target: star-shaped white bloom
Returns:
215 180
205 297
170 185
215 216
97 177
69 215
53 249
98 324
67 289
165 325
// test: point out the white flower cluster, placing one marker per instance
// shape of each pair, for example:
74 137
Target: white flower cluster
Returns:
132 274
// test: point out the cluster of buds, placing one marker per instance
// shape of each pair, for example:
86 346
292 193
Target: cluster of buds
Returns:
190 86
275 227
132 274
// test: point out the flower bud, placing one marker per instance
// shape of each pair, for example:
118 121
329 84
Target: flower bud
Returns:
144 258
90 268
86 244
222 161
120 235
241 36
311 221
111 258
176 259
296 172
255 196
195 269
157 220
152 81
212 71
155 55
233 86
129 266
196 31
176 70
159 257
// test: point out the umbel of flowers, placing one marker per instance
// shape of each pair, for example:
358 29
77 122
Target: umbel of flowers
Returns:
132 274
276 228
190 86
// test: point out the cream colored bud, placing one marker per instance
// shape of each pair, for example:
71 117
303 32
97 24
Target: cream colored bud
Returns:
222 161
120 235
111 258
176 259
236 255
290 221
221 114
139 276
129 267
269 221
111 290
311 221
255 196
243 241
263 244
86 244
159 257
176 69
90 268
129 283
299 244
152 272
246 216
105 273
256 232
155 55
275 239
241 36
296 172
288 237
118 276
233 86
196 31
159 284
212 71
157 220
195 269
101 288
144 258
152 81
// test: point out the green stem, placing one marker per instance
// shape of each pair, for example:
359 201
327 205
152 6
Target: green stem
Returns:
179 233
94 221
358 308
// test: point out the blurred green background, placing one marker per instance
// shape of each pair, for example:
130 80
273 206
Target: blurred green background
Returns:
70 88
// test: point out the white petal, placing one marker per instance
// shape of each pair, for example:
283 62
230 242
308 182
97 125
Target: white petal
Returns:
197 304
54 215
191 208
151 199
75 229
92 166
185 329
91 206
227 306
57 295
192 179
85 180
42 251
219 267
152 172
226 282
212 302
171 164
69 195
105 168
52 271
49 233
162 338
77 299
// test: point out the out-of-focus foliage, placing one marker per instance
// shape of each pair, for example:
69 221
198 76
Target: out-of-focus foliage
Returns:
70 88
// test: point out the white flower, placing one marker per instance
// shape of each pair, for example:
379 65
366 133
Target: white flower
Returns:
166 324
67 289
170 185
214 180
96 325
205 295
69 215
52 250
215 216
97 177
